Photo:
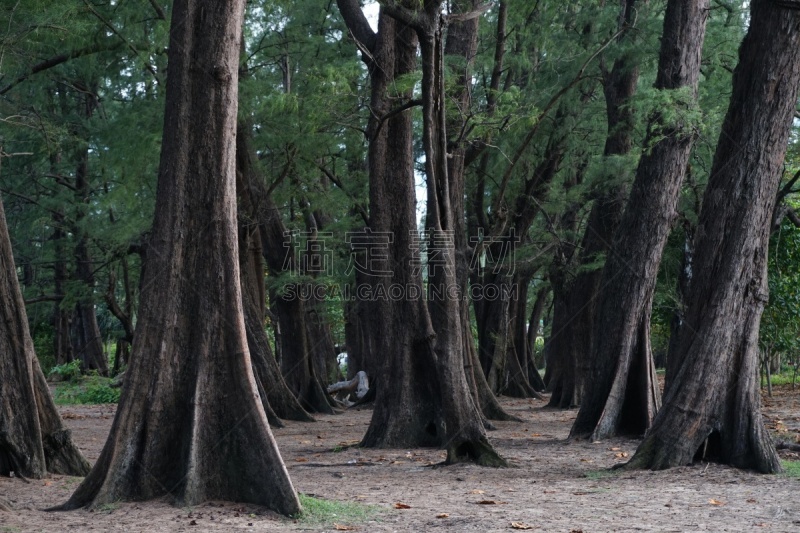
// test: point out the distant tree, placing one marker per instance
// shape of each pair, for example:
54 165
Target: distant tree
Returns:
190 423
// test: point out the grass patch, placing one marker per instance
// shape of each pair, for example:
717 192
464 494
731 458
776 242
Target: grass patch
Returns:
778 380
319 512
791 468
86 390
601 474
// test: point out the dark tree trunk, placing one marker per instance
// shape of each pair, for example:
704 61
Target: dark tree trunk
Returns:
190 424
714 405
62 318
461 46
278 400
33 440
87 340
622 392
580 313
296 347
537 313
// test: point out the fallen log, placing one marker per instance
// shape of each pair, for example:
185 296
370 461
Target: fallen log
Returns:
358 385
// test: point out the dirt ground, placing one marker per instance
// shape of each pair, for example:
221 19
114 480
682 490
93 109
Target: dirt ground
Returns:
555 485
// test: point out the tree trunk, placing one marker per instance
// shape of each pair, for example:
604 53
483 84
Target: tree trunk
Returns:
190 424
714 405
33 440
87 340
276 397
62 318
619 86
461 45
622 391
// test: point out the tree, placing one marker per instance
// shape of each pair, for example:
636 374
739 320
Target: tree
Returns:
622 390
190 423
712 408
575 309
33 440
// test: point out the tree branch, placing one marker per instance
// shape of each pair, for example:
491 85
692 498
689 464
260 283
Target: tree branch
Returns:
556 97
336 181
159 11
59 59
358 24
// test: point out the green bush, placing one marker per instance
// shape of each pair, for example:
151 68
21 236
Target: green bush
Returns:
89 390
67 372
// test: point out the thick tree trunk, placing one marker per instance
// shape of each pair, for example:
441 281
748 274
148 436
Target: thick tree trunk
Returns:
714 406
33 440
190 424
622 391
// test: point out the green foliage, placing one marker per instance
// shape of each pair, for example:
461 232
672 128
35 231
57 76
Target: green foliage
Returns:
87 390
68 371
780 323
319 512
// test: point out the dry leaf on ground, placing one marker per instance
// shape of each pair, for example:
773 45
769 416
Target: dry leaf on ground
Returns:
520 525
341 527
443 515
712 501
399 505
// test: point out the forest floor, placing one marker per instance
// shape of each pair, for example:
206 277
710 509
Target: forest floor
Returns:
555 485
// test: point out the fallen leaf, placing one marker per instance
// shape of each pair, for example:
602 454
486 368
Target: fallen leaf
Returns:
443 515
477 491
621 455
520 525
490 502
340 527
751 500
587 461
48 483
712 501
301 459
399 505
536 434
614 449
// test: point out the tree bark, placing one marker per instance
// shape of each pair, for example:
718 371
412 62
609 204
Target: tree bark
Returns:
33 440
713 407
622 392
190 424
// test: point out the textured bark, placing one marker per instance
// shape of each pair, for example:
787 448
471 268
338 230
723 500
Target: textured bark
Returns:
190 424
622 392
427 402
713 406
33 440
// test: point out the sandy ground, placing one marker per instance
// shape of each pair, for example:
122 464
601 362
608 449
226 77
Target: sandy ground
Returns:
555 485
